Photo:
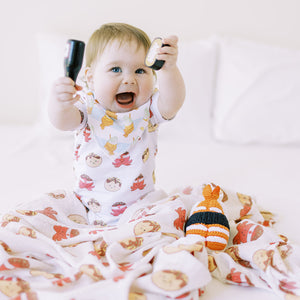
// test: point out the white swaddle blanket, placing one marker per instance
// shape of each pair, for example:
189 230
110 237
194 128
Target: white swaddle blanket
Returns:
48 251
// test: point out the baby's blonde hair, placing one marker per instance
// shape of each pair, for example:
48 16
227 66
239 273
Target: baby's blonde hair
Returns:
114 31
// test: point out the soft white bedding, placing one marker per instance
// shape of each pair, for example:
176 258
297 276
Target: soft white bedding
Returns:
33 163
37 159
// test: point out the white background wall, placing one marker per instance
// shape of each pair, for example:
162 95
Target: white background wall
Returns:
271 21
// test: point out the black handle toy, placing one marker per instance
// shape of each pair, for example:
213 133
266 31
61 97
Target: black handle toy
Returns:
150 60
73 58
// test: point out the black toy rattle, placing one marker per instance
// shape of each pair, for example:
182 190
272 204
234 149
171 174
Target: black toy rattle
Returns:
73 58
151 60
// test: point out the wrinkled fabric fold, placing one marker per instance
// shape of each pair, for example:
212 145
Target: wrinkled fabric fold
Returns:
48 250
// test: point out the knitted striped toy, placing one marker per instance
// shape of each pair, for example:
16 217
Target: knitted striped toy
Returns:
207 220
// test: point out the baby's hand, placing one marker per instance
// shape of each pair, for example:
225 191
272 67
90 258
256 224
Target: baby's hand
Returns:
168 53
64 91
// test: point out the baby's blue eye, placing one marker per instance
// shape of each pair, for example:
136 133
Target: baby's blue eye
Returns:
140 71
116 69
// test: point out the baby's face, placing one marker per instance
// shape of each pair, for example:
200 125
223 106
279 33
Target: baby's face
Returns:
120 80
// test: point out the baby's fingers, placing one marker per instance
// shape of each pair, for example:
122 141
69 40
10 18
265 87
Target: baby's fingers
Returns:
170 47
167 50
62 89
65 90
66 97
171 40
64 81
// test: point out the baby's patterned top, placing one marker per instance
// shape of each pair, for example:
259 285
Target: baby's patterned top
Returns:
114 157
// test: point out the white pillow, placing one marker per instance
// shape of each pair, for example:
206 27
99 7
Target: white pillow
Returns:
197 63
257 93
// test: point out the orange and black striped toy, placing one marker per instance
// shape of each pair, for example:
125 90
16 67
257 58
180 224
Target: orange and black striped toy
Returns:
207 219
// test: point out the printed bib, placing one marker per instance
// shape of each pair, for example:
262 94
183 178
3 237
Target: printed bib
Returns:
116 133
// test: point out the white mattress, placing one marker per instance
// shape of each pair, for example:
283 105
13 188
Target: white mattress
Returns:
33 163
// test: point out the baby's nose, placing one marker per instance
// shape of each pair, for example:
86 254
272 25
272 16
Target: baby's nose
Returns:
129 79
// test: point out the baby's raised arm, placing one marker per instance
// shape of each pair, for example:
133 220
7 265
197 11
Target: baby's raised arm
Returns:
63 114
170 81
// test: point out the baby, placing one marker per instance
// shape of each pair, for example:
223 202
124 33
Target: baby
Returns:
116 118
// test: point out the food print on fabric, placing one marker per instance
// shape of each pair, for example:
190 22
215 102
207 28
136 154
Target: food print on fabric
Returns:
48 250
113 170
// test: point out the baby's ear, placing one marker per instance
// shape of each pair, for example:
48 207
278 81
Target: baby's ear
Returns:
89 77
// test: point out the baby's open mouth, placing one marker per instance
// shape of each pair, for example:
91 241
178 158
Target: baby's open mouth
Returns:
125 100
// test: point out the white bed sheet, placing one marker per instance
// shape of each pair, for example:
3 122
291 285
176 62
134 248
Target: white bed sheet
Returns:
33 163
